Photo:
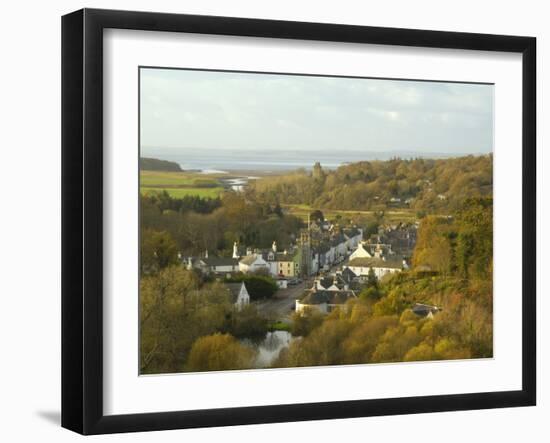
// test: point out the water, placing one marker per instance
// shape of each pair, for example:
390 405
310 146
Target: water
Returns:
224 160
271 160
271 346
238 184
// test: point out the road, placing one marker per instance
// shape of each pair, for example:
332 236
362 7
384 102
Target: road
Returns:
279 307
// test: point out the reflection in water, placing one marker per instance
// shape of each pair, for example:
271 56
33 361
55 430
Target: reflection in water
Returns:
271 346
238 184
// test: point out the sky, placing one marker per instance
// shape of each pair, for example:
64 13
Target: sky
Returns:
183 109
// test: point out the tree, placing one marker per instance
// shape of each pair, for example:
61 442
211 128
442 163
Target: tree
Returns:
422 352
372 280
433 247
305 322
157 250
219 352
278 210
174 312
258 286
163 301
248 323
317 216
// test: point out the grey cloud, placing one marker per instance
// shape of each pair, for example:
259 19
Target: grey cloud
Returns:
182 108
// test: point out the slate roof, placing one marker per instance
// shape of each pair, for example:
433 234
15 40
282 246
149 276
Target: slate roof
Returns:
220 261
328 281
322 248
234 290
365 262
348 275
281 256
352 232
423 310
249 259
338 239
329 297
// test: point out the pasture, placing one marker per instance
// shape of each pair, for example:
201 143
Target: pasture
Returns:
181 184
402 215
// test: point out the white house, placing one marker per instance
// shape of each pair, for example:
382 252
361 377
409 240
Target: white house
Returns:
340 245
323 300
253 263
360 252
239 294
218 265
381 267
315 262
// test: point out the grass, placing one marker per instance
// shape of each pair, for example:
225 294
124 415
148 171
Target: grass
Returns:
182 192
279 326
155 179
402 215
180 184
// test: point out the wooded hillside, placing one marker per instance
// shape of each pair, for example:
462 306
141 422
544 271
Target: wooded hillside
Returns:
431 185
154 164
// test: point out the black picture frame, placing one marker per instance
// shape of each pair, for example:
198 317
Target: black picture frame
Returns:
82 218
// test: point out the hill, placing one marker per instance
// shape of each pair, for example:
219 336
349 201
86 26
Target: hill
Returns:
434 185
153 164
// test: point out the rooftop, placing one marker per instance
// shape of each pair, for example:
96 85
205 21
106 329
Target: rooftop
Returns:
249 259
220 261
365 262
313 297
234 290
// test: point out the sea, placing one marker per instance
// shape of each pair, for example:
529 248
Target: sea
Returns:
271 160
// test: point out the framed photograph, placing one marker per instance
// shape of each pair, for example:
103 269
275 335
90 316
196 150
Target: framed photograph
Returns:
268 221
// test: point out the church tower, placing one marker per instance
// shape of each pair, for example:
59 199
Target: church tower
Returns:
235 250
305 246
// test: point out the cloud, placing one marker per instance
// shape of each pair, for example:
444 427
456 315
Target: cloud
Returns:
182 108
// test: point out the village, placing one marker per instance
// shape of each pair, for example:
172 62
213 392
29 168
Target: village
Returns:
327 266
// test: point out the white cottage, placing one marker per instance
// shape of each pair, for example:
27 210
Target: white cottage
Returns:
360 252
239 294
381 267
253 263
218 265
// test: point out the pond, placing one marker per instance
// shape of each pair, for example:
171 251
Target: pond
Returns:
270 347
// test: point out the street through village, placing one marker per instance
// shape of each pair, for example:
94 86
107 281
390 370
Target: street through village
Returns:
281 305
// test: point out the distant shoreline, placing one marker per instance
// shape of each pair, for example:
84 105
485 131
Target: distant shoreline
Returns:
242 162
232 173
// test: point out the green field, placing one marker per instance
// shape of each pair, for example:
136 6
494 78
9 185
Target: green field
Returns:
302 211
180 184
156 179
182 192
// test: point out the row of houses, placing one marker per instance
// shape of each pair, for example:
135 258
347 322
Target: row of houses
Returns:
304 259
337 289
400 237
284 264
